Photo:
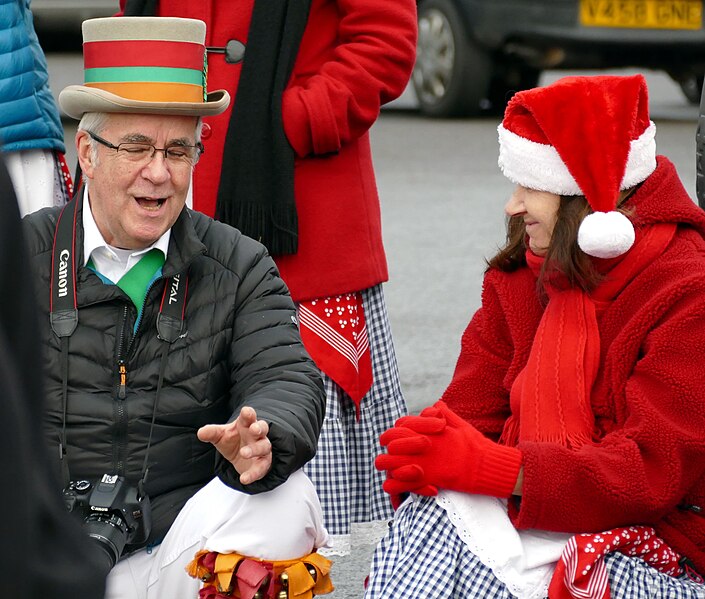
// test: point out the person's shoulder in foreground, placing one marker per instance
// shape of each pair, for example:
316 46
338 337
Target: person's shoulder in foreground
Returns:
44 553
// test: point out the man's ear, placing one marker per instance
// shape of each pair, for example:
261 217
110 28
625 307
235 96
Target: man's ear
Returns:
85 156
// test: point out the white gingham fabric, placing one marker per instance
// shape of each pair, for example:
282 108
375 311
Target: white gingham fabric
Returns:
423 557
343 472
37 178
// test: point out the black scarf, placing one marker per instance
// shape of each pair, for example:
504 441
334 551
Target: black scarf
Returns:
140 8
256 191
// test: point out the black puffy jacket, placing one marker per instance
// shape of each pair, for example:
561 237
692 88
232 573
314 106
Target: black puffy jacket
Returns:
242 347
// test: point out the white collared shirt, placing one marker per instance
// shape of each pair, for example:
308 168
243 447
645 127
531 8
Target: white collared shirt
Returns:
109 261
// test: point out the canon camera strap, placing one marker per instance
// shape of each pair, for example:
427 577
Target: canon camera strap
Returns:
63 312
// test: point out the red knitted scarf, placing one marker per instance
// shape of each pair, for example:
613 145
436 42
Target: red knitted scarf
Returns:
550 398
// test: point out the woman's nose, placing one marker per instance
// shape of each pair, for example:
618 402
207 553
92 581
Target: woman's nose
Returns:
514 206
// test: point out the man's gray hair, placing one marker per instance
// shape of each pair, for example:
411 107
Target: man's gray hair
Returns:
95 122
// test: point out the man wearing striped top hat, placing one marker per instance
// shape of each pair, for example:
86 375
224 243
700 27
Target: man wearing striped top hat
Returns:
180 397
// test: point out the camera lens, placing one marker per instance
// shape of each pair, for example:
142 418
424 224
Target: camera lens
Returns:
110 534
112 512
104 557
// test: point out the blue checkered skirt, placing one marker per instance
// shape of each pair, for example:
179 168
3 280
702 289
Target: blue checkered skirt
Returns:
423 557
343 472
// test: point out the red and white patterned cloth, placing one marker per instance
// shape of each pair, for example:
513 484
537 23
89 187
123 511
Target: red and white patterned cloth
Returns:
581 572
334 332
65 174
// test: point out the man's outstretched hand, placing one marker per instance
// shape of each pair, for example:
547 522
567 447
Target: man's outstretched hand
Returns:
243 443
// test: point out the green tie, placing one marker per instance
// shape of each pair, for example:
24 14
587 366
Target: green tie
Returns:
134 282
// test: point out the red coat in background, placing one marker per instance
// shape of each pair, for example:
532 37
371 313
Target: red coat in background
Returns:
355 55
646 464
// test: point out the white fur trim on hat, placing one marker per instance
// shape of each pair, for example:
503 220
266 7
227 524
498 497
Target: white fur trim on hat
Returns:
540 167
606 234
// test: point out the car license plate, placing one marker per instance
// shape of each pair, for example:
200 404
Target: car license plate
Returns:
642 14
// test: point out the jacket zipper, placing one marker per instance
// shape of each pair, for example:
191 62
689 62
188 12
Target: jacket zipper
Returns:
122 371
121 393
119 405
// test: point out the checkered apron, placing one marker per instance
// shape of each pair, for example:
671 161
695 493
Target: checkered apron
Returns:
422 556
343 472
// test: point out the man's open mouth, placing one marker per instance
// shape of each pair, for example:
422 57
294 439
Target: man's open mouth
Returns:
150 203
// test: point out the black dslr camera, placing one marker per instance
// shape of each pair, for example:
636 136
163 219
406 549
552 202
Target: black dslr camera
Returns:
113 512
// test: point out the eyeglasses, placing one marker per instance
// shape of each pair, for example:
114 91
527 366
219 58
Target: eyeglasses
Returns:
143 153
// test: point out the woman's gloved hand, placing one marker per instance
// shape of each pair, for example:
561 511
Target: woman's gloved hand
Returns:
440 450
410 479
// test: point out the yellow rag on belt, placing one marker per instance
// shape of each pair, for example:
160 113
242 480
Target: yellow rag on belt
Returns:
239 576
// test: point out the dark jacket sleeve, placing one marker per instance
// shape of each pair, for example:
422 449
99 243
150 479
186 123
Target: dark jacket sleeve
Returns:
44 553
271 370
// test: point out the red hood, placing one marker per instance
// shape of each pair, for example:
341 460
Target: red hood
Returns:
663 199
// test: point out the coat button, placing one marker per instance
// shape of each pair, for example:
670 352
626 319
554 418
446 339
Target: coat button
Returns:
234 51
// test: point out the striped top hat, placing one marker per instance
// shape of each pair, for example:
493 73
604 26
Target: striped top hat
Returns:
144 65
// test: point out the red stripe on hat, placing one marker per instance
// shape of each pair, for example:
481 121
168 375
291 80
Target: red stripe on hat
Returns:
143 53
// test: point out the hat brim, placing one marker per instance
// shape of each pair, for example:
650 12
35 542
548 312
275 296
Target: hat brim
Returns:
76 100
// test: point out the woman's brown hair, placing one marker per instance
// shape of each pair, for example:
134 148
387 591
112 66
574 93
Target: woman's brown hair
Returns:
563 252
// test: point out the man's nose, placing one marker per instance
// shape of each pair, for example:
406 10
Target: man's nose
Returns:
157 169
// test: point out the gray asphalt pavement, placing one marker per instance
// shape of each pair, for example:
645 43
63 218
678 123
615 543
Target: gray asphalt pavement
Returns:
442 197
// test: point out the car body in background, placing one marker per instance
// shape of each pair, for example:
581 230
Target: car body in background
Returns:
474 54
58 22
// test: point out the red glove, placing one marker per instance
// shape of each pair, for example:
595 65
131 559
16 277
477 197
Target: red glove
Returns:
451 454
409 479
399 485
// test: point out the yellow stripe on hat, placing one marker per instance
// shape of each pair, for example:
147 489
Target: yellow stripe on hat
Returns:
153 92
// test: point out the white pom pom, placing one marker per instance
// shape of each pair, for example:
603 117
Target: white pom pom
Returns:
605 234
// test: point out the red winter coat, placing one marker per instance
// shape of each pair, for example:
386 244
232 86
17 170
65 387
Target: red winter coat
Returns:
647 463
355 55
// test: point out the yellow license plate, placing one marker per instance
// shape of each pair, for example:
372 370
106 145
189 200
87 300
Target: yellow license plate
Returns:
642 14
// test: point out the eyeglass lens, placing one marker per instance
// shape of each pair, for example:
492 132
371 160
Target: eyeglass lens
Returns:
137 152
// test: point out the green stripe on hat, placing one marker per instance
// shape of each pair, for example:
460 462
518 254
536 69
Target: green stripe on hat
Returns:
146 74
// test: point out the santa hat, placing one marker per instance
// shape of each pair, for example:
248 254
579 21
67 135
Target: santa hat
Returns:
587 136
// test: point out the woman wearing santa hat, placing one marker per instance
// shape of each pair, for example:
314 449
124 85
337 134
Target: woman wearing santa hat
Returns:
567 456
